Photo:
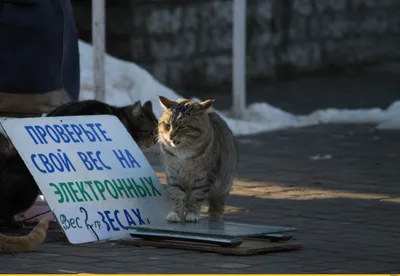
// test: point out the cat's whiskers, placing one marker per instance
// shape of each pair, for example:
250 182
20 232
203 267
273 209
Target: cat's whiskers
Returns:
156 138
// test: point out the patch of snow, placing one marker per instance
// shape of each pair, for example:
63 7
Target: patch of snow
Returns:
320 157
389 124
393 122
126 82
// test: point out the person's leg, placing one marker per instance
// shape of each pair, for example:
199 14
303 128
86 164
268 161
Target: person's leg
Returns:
39 56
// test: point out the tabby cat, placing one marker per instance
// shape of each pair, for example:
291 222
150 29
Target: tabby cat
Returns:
18 189
200 158
13 244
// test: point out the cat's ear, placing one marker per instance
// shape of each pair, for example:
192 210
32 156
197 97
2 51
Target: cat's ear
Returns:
206 105
136 108
148 105
165 102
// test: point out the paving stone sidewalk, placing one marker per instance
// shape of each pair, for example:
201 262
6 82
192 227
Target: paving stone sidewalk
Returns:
345 205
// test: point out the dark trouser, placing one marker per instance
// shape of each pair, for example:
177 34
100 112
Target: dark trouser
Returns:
39 56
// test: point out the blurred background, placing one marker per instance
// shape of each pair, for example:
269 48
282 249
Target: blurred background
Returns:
302 55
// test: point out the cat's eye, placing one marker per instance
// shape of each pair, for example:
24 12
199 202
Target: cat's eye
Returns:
166 126
141 116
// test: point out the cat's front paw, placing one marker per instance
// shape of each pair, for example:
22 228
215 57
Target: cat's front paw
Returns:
173 217
192 217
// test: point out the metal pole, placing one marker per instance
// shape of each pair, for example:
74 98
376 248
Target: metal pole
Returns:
239 58
98 41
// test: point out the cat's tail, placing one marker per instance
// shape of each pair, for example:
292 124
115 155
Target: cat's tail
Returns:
11 244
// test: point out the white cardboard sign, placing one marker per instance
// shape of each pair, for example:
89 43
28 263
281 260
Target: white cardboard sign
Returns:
93 175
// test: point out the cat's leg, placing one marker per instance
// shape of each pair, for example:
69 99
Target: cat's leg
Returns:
177 194
199 194
216 206
217 198
193 213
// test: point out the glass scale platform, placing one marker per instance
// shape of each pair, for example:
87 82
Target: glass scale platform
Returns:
222 233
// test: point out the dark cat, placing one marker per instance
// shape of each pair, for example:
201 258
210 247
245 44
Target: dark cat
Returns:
18 189
139 120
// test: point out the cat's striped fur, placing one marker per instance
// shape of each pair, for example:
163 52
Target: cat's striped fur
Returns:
18 244
200 158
